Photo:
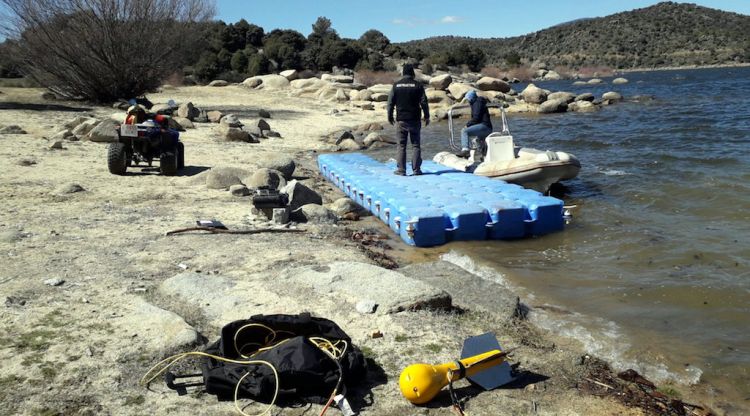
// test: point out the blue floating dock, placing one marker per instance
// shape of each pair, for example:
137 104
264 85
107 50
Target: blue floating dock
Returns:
443 204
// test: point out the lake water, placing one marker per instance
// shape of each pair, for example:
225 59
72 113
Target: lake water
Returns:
653 273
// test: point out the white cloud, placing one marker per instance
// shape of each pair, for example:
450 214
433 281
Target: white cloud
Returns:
451 19
415 21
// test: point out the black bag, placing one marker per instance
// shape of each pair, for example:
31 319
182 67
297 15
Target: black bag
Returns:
306 373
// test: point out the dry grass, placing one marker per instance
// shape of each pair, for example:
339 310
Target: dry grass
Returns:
371 78
595 71
494 72
523 72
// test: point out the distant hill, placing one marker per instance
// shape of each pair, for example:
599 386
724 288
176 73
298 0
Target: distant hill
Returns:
666 34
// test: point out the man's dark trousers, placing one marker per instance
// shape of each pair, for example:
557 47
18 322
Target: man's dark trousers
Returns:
409 129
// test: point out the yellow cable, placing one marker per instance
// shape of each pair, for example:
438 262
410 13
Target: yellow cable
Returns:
145 380
323 344
271 333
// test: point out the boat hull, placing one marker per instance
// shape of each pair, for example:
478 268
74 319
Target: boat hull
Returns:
533 169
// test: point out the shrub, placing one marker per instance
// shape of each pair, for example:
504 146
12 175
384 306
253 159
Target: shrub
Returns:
258 64
375 40
102 50
239 61
284 47
207 67
512 59
373 62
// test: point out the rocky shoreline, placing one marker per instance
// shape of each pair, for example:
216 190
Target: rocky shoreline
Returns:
95 292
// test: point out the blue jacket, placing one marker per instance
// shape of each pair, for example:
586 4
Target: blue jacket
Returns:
480 113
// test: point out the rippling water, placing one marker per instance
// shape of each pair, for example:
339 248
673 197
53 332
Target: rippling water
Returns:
653 273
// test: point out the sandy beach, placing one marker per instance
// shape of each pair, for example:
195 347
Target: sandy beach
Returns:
96 293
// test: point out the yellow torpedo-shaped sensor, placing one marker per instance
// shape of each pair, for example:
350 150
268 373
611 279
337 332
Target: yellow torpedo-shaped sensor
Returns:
420 383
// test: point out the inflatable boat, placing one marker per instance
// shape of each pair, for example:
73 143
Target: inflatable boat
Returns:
499 158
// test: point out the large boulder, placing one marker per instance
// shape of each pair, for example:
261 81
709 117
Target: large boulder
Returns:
381 88
309 83
579 83
441 82
362 95
85 128
562 95
352 282
587 96
343 206
188 111
290 74
582 106
349 144
553 106
72 124
233 134
344 79
184 123
214 116
458 90
552 76
300 195
378 137
283 164
223 177
314 213
230 120
421 77
594 81
341 95
218 83
493 84
619 81
612 96
379 97
264 177
437 96
533 94
104 132
267 82
153 330
327 93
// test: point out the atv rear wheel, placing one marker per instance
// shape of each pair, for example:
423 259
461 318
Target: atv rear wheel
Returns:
168 164
117 158
180 155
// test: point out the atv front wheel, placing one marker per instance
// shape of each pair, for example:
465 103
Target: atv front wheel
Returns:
117 158
168 164
180 155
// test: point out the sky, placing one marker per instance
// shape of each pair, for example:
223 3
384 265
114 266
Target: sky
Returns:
403 20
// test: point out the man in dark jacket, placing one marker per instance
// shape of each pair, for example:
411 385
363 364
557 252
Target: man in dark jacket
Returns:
479 126
408 97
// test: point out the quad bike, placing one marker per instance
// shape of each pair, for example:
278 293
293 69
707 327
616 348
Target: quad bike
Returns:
144 142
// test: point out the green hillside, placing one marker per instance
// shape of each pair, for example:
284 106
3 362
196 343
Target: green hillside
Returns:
666 34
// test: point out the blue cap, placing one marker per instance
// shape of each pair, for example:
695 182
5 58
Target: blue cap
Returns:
471 95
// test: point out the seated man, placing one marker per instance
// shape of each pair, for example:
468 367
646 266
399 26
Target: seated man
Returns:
479 126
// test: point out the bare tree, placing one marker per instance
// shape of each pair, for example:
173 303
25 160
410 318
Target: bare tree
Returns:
102 49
